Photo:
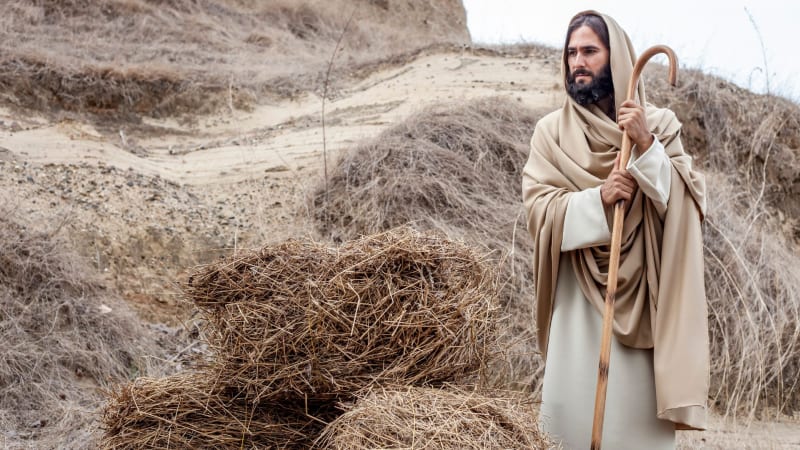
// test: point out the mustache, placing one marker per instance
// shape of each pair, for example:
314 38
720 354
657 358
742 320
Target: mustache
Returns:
578 72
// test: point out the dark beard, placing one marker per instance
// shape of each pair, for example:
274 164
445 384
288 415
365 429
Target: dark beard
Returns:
599 88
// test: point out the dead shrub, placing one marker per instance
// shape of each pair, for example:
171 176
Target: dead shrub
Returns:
734 131
753 289
64 337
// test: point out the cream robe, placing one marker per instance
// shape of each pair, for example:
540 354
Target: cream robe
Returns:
570 378
660 300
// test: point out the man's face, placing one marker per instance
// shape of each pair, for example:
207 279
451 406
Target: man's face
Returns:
589 77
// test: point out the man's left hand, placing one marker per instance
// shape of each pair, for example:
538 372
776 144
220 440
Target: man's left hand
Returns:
631 118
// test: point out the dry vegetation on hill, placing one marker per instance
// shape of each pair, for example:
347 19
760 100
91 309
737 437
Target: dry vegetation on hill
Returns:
754 139
64 337
155 57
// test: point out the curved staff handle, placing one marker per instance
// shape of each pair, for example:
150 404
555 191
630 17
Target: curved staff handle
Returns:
616 242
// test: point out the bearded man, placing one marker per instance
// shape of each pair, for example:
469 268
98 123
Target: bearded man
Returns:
658 380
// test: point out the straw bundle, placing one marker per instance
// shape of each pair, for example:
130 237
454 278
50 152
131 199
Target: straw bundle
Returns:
302 320
423 418
187 411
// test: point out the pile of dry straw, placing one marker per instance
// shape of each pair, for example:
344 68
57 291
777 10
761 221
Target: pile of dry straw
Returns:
188 411
415 417
298 329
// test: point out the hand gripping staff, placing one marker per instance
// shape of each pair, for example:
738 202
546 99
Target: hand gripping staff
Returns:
616 242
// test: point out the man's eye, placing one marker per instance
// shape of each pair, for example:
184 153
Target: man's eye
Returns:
571 53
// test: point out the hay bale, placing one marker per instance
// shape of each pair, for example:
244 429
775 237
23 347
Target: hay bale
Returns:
435 418
456 169
188 411
303 320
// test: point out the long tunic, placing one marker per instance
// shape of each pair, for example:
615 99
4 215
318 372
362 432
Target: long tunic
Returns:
570 376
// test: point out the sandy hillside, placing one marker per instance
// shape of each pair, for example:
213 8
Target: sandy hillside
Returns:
157 135
149 202
146 203
286 135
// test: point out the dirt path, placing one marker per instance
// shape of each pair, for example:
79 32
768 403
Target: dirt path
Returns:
285 136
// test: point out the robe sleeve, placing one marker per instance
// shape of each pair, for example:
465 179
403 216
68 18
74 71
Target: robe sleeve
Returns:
585 223
652 170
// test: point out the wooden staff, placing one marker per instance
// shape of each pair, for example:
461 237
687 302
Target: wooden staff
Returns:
616 242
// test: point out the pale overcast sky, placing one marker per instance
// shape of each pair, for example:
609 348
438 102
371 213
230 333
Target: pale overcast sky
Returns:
716 36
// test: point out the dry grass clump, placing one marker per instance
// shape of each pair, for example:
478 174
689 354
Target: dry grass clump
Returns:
448 164
188 411
423 418
734 131
301 320
753 289
63 337
454 168
158 57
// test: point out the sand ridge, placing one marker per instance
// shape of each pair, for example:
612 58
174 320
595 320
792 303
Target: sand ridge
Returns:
239 145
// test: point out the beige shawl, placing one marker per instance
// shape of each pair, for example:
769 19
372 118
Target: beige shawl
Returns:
660 300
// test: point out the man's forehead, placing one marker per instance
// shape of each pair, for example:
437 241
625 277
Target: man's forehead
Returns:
584 37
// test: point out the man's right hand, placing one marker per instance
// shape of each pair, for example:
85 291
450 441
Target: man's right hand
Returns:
620 185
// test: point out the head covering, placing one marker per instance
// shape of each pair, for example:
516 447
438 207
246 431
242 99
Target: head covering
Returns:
660 301
621 61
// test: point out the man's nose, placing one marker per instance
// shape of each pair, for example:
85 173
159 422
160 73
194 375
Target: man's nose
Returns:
580 61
